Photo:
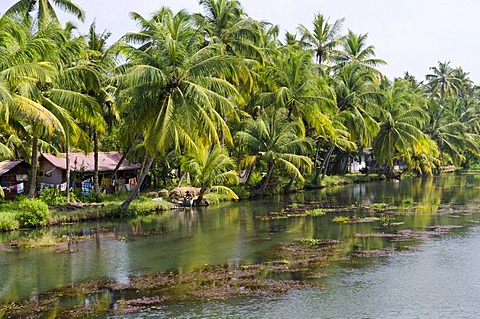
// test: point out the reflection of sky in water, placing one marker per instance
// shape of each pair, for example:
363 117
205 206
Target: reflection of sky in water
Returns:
118 261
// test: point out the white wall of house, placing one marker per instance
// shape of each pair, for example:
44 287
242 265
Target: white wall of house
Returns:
356 166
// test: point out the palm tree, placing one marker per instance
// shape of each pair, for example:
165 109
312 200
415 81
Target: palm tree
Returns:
401 118
324 39
443 81
64 95
423 158
211 168
226 23
45 11
276 141
356 50
101 63
357 93
296 87
340 139
22 78
175 83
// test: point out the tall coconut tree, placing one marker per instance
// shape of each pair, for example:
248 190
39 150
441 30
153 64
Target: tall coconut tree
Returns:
23 74
65 94
356 50
225 22
443 81
296 87
357 92
278 142
101 63
324 39
43 11
174 84
401 117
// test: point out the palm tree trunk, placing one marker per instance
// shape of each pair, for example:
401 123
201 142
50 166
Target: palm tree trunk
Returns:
33 170
96 184
136 189
249 176
326 162
369 170
267 178
287 188
199 199
144 163
67 164
124 156
317 170
345 167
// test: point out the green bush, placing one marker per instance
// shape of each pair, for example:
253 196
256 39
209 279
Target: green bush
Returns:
8 222
92 197
241 192
52 196
33 212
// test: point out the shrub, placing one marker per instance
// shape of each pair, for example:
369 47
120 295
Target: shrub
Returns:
52 196
241 192
92 197
8 222
33 212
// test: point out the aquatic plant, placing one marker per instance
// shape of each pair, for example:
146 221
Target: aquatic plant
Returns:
341 219
317 242
315 212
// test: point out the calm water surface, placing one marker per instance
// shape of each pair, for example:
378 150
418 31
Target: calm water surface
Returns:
441 280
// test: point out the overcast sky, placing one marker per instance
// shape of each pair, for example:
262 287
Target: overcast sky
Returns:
411 35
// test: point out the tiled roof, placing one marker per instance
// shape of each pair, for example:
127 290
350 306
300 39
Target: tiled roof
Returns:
107 161
6 166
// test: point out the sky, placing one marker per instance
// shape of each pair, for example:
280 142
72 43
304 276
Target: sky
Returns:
410 35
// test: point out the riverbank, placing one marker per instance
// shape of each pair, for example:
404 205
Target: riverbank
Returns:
108 206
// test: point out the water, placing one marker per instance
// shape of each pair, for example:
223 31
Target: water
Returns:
439 281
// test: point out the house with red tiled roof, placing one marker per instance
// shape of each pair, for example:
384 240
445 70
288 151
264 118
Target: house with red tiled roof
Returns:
14 177
53 170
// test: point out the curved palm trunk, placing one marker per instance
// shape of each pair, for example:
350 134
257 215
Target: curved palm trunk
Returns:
267 178
136 189
124 156
315 159
370 170
326 162
345 166
32 192
199 199
288 187
249 174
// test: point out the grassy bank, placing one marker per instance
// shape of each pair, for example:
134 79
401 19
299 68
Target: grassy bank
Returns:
52 208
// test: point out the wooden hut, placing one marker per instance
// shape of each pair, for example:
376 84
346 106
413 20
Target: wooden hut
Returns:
14 177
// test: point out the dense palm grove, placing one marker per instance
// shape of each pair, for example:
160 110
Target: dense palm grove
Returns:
217 92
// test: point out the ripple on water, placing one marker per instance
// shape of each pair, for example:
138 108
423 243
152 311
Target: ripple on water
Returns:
441 281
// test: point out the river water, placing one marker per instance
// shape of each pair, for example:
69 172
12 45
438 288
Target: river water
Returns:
439 279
